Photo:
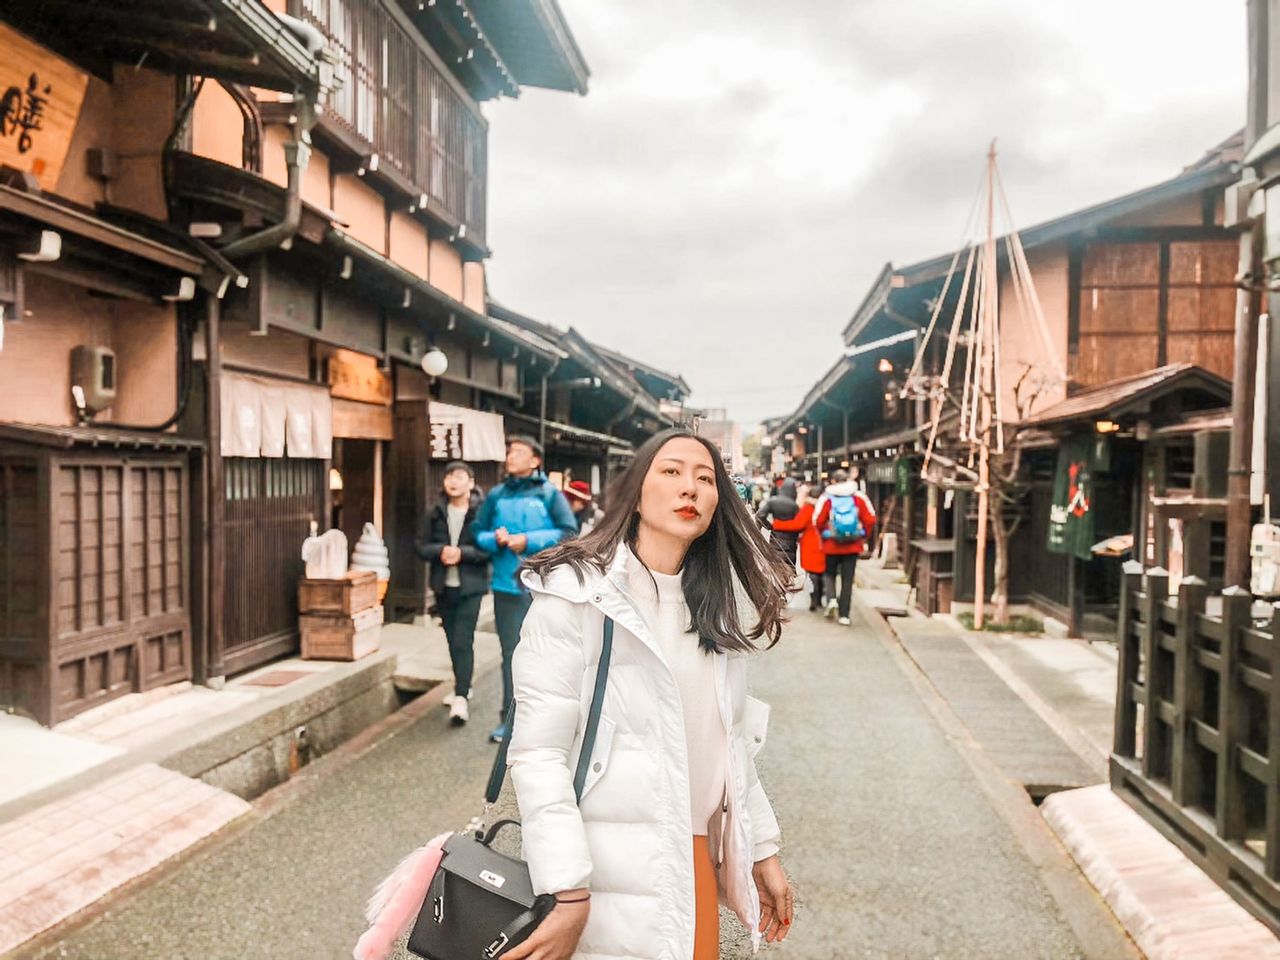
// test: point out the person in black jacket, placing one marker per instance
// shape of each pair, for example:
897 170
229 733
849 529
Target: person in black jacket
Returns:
781 506
460 575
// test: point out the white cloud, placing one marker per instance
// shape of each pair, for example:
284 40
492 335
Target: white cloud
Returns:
741 169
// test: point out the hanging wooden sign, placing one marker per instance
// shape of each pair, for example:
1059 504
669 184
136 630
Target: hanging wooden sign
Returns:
355 376
40 100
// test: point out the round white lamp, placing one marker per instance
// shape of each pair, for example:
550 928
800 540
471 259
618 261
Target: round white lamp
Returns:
434 362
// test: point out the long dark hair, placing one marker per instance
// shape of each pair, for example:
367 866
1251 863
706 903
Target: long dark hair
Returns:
732 545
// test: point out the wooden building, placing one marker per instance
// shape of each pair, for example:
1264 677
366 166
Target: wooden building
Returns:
1138 295
597 404
237 230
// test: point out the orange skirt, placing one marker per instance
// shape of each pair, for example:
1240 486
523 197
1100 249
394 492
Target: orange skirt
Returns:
706 932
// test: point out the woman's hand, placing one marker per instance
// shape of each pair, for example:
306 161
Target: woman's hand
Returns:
557 936
777 906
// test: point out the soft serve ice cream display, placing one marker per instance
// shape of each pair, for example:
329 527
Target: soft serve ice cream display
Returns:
371 554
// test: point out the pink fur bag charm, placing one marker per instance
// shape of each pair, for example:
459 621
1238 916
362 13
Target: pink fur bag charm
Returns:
395 904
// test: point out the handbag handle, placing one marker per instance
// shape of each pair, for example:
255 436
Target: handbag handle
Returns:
499 772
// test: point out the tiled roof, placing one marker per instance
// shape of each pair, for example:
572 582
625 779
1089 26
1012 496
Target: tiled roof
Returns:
1117 396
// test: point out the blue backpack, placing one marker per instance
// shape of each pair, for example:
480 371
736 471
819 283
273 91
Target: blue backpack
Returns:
845 523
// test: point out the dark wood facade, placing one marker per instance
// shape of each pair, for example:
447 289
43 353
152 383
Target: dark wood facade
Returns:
94 575
270 506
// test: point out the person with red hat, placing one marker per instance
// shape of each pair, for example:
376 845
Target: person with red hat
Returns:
583 505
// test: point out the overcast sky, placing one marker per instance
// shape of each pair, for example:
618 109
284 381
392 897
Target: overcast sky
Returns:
740 171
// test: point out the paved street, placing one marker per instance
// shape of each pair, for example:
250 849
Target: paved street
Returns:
893 845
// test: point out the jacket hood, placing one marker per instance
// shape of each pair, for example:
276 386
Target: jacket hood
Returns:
618 582
788 489
846 489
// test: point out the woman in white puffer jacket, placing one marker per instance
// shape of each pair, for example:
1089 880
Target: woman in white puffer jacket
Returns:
673 818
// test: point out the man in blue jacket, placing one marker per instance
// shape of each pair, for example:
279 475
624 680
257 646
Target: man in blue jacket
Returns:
519 517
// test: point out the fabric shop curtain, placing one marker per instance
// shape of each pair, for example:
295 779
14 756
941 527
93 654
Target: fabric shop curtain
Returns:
262 417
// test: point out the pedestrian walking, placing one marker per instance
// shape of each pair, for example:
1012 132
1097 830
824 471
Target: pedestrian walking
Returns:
781 506
585 509
813 560
522 515
671 791
844 518
460 575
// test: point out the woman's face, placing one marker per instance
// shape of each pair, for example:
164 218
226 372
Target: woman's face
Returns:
679 494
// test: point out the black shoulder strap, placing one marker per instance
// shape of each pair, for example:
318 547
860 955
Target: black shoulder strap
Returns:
593 718
499 772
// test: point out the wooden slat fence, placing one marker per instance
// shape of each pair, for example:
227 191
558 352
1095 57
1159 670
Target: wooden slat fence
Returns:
1197 733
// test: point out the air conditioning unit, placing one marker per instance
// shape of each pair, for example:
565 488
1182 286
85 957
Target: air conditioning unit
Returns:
93 371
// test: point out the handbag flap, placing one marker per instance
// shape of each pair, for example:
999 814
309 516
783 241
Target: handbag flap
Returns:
467 858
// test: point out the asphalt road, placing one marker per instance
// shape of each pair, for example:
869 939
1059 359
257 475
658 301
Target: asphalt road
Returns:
892 843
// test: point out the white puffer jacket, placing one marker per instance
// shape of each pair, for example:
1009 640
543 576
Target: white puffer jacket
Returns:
630 842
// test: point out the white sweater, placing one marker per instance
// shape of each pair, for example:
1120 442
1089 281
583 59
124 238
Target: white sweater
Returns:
695 675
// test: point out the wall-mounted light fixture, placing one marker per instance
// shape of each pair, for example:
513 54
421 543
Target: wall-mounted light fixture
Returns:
1106 426
435 362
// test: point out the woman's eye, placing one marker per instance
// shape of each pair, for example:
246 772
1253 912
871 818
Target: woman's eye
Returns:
707 479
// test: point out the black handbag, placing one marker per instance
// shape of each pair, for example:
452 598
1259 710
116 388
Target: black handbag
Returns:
481 902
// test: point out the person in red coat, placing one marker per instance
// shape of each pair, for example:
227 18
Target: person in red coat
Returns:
812 560
834 518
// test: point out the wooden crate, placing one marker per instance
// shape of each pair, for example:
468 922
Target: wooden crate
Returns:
340 636
355 592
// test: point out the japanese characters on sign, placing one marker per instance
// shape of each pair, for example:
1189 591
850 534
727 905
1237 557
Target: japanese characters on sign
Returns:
21 111
356 376
41 96
446 441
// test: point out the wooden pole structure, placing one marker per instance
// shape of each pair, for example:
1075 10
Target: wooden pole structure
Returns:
1240 453
985 359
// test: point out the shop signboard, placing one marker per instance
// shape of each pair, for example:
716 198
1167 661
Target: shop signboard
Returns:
40 100
1071 512
446 440
356 376
460 433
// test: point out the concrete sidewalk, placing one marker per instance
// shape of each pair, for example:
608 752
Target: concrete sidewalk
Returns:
1042 710
108 796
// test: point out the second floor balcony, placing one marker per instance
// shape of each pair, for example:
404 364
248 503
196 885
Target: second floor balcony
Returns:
399 103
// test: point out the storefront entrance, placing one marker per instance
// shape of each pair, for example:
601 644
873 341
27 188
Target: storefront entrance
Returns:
270 505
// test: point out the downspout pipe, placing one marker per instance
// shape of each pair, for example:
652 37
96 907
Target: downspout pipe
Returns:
542 407
297 153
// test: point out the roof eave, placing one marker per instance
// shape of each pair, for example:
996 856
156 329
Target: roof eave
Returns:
561 37
870 305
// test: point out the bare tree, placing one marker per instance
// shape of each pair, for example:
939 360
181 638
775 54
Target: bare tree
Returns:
1009 486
